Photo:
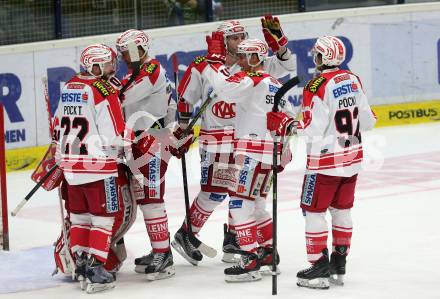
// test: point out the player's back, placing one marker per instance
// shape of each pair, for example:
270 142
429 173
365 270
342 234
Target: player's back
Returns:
335 111
89 124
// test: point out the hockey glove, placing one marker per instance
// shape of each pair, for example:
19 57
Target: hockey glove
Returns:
144 144
279 122
216 48
182 143
273 34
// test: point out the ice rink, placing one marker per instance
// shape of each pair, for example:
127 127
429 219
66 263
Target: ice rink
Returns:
395 246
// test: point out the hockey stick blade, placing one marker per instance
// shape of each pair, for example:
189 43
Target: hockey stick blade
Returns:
282 91
205 249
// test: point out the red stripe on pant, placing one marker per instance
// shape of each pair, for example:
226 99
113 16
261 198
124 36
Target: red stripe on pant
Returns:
341 237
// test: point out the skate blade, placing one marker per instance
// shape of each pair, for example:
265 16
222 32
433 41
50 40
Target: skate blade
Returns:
266 270
165 273
337 279
140 269
230 258
317 283
245 277
99 287
82 284
182 252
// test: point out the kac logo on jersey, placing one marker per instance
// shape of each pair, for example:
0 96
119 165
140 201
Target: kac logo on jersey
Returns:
111 195
224 110
309 190
345 89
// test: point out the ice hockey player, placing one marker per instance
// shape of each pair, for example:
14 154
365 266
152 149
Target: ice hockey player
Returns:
252 90
88 127
335 111
148 100
217 132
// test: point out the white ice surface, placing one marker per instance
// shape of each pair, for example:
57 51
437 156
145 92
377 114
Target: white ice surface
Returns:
395 247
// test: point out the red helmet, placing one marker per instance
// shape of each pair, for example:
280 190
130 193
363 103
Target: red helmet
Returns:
332 50
97 54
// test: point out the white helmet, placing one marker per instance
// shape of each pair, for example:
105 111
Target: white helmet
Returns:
135 36
253 46
231 28
332 50
97 54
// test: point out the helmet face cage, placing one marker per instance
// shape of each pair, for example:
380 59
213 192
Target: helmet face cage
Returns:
332 51
138 37
253 46
100 55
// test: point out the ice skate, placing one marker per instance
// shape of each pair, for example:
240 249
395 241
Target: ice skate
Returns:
247 269
142 262
317 276
98 279
161 266
230 246
185 248
337 265
265 255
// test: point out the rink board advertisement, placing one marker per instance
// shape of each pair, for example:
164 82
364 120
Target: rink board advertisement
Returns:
394 49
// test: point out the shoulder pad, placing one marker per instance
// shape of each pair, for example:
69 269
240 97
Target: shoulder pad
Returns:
103 87
150 68
314 84
199 59
254 74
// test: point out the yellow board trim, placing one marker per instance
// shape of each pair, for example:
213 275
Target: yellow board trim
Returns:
387 115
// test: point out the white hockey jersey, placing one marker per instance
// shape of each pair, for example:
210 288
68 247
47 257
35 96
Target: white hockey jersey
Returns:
148 98
335 111
253 94
88 128
217 127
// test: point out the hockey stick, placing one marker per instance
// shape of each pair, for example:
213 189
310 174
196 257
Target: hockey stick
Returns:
278 95
205 249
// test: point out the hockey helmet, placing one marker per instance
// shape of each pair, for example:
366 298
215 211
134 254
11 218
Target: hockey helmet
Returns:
253 46
100 55
138 37
332 50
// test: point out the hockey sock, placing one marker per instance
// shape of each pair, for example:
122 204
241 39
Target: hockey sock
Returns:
202 207
79 232
342 227
156 222
316 235
100 237
264 223
242 212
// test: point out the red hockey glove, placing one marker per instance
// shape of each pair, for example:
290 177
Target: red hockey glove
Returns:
278 122
216 48
183 143
144 144
273 34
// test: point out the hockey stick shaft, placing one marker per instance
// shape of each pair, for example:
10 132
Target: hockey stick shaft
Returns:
36 187
278 95
205 249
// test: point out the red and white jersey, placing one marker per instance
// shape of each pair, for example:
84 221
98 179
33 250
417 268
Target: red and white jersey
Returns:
88 127
217 127
253 94
335 111
148 98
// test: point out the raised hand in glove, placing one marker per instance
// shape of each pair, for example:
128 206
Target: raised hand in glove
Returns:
273 34
182 143
279 122
216 47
